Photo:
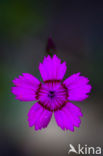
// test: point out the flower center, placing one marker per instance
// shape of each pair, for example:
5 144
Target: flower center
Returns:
52 95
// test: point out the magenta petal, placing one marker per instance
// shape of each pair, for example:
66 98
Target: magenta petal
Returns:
78 87
52 68
39 117
68 117
25 87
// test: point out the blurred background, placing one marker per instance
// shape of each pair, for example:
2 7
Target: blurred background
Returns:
76 28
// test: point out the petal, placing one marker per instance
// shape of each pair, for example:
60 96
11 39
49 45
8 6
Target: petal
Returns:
25 87
68 117
78 87
39 117
52 68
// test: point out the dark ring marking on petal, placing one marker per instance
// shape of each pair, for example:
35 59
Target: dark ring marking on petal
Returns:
47 81
37 92
66 90
55 109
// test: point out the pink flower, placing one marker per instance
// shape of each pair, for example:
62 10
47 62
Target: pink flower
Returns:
52 95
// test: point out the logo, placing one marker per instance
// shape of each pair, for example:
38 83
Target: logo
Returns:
84 149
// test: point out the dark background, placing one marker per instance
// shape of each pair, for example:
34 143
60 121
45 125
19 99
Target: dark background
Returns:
77 30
